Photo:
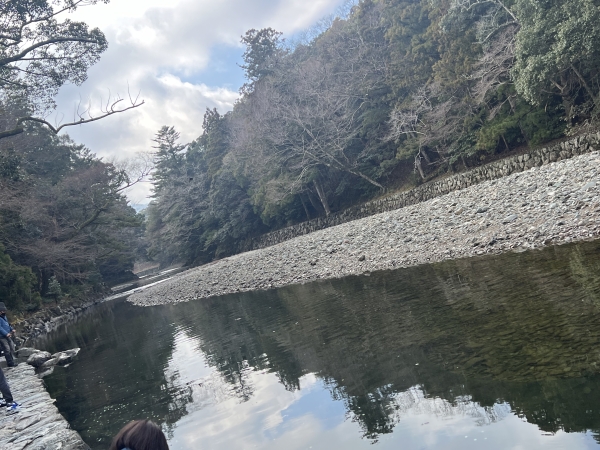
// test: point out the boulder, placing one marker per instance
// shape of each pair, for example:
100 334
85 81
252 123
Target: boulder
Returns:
51 362
65 357
25 352
38 358
46 371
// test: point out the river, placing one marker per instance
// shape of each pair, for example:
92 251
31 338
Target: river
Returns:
496 352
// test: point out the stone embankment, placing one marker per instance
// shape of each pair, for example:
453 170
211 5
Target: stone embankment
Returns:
553 204
37 425
47 320
535 158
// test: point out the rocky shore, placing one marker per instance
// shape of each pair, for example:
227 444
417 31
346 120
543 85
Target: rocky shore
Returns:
47 320
549 205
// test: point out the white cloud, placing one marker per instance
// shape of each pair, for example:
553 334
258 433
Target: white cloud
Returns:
166 50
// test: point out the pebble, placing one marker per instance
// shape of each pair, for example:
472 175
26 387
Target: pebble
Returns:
553 204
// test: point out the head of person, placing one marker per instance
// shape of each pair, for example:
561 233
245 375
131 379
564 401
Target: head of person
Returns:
140 435
2 308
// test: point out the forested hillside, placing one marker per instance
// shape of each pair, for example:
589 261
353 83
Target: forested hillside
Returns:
65 226
388 95
391 94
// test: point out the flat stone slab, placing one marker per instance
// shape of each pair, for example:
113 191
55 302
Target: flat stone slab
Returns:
37 425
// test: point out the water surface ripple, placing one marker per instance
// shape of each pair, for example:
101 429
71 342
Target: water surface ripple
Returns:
484 353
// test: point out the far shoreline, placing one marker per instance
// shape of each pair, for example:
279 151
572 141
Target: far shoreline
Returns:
554 204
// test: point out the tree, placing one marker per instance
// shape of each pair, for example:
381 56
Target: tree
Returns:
39 54
303 117
168 159
436 120
54 289
557 51
17 284
332 120
62 210
263 47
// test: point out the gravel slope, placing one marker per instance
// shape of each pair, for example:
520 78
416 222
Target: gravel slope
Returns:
554 204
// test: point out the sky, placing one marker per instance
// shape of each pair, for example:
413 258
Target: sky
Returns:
180 56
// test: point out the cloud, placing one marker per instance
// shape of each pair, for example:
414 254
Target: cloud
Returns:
180 55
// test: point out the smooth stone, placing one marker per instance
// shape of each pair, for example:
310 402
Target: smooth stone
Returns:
38 358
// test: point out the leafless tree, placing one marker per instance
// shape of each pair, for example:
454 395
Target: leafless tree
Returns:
496 16
434 119
493 68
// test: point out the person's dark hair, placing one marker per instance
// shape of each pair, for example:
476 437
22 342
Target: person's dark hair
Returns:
140 435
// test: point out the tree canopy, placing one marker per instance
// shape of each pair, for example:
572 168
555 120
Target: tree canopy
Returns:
39 53
392 93
63 214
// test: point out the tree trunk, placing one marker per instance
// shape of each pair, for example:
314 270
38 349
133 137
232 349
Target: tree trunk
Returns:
13 132
305 207
322 197
505 143
586 86
313 202
44 281
568 107
364 177
513 108
419 167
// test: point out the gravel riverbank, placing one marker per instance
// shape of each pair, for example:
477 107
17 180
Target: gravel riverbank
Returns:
553 204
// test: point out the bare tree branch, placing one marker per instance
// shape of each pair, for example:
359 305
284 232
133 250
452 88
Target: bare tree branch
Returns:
84 117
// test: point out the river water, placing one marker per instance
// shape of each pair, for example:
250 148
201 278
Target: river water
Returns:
485 353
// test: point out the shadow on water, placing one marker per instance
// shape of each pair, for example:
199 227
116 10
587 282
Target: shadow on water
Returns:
487 337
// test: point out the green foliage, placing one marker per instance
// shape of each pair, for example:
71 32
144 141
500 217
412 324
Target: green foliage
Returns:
168 157
62 213
262 49
393 85
557 49
200 210
17 284
54 289
63 216
39 53
9 165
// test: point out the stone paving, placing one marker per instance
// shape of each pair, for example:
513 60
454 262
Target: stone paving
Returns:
37 425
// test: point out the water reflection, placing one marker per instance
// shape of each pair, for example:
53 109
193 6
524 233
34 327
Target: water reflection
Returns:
481 353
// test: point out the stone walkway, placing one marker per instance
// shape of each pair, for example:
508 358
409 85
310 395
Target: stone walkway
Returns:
38 425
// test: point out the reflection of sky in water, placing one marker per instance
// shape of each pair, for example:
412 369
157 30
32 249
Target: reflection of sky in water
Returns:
309 418
489 353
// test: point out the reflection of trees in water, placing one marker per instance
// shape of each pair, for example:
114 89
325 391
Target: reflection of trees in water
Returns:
510 328
381 410
122 377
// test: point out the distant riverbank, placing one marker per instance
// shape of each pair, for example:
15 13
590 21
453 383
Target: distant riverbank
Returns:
549 205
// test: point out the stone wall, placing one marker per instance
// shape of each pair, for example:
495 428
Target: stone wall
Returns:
497 169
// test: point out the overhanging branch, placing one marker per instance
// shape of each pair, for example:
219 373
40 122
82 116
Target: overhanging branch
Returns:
109 111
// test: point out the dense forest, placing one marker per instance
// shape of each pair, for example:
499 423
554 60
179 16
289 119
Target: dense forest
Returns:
385 96
389 95
66 228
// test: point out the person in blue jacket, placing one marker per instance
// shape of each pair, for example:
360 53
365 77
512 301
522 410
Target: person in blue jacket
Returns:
6 334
